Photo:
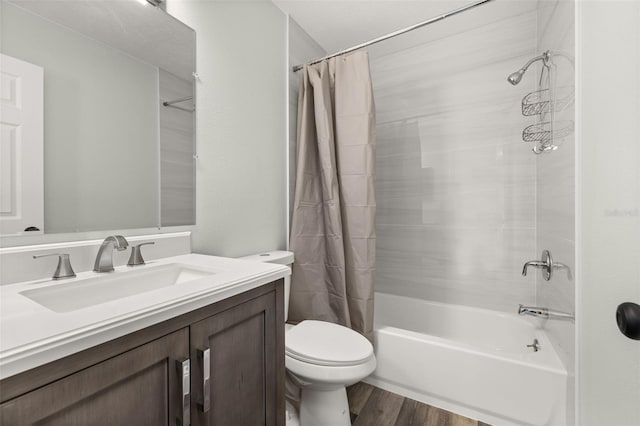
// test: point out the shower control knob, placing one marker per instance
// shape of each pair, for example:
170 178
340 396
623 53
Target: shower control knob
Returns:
628 319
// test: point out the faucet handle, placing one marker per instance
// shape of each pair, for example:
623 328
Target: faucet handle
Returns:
558 265
64 269
546 264
136 254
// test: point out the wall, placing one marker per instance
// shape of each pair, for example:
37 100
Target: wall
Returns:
84 153
302 48
241 131
555 185
608 228
455 183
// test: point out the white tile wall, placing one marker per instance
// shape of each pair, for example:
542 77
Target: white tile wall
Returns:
455 184
555 189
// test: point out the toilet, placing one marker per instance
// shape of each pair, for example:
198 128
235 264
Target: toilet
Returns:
321 359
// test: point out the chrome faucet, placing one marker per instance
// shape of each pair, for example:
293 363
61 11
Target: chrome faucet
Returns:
547 265
544 313
104 259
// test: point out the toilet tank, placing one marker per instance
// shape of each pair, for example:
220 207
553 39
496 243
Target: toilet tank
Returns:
282 258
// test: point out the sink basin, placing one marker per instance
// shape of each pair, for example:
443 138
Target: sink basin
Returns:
82 293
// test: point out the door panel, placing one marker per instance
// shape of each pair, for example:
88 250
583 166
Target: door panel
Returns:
608 210
21 147
139 387
242 365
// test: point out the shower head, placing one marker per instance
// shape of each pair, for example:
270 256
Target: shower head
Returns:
515 77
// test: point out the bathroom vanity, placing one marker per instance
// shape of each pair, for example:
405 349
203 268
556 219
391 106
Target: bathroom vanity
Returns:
206 351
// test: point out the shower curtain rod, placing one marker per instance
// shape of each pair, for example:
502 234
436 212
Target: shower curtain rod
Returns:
175 101
395 33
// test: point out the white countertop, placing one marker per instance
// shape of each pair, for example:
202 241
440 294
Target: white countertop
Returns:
32 335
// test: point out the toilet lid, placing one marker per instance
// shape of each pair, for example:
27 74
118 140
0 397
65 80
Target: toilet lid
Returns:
324 343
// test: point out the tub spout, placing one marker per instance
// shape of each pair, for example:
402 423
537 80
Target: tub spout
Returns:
544 313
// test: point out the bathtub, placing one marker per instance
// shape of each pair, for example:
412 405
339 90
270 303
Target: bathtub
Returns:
470 361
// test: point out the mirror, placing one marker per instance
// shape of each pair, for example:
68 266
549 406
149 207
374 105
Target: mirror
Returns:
97 117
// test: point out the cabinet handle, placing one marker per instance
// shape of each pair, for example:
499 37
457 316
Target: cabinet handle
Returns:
205 355
184 370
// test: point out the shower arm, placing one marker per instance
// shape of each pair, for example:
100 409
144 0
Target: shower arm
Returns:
544 57
516 77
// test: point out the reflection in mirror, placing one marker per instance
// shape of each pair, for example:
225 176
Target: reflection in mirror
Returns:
101 93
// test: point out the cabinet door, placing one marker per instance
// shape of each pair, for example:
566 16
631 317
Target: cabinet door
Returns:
242 345
139 387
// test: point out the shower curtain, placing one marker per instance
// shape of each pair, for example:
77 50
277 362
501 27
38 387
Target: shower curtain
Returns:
333 225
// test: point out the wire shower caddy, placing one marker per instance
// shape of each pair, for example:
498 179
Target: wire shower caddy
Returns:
544 104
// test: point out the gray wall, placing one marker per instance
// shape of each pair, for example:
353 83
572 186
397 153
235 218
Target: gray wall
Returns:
455 184
91 163
241 125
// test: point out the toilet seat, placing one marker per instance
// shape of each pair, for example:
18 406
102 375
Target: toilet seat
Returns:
326 344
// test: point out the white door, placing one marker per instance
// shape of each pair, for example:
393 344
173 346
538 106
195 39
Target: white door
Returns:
21 147
608 212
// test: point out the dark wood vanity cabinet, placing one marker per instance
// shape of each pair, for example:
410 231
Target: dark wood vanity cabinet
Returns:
138 387
242 366
137 379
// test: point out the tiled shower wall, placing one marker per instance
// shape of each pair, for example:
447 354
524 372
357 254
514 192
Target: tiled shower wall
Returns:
555 188
456 186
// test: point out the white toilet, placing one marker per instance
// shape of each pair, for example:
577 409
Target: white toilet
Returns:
322 359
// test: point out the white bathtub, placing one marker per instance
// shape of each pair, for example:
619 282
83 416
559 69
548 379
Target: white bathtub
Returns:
470 361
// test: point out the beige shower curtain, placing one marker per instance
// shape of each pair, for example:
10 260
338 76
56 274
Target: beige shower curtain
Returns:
333 225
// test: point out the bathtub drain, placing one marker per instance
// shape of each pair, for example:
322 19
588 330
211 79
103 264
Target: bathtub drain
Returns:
535 345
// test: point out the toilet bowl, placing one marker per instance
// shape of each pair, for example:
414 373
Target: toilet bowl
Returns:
321 360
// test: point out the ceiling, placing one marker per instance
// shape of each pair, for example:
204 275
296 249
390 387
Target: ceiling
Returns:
340 24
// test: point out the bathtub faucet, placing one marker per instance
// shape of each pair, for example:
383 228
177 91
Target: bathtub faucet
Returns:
544 313
547 265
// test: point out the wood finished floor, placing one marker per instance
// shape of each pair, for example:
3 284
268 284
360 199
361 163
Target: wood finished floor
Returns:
371 406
